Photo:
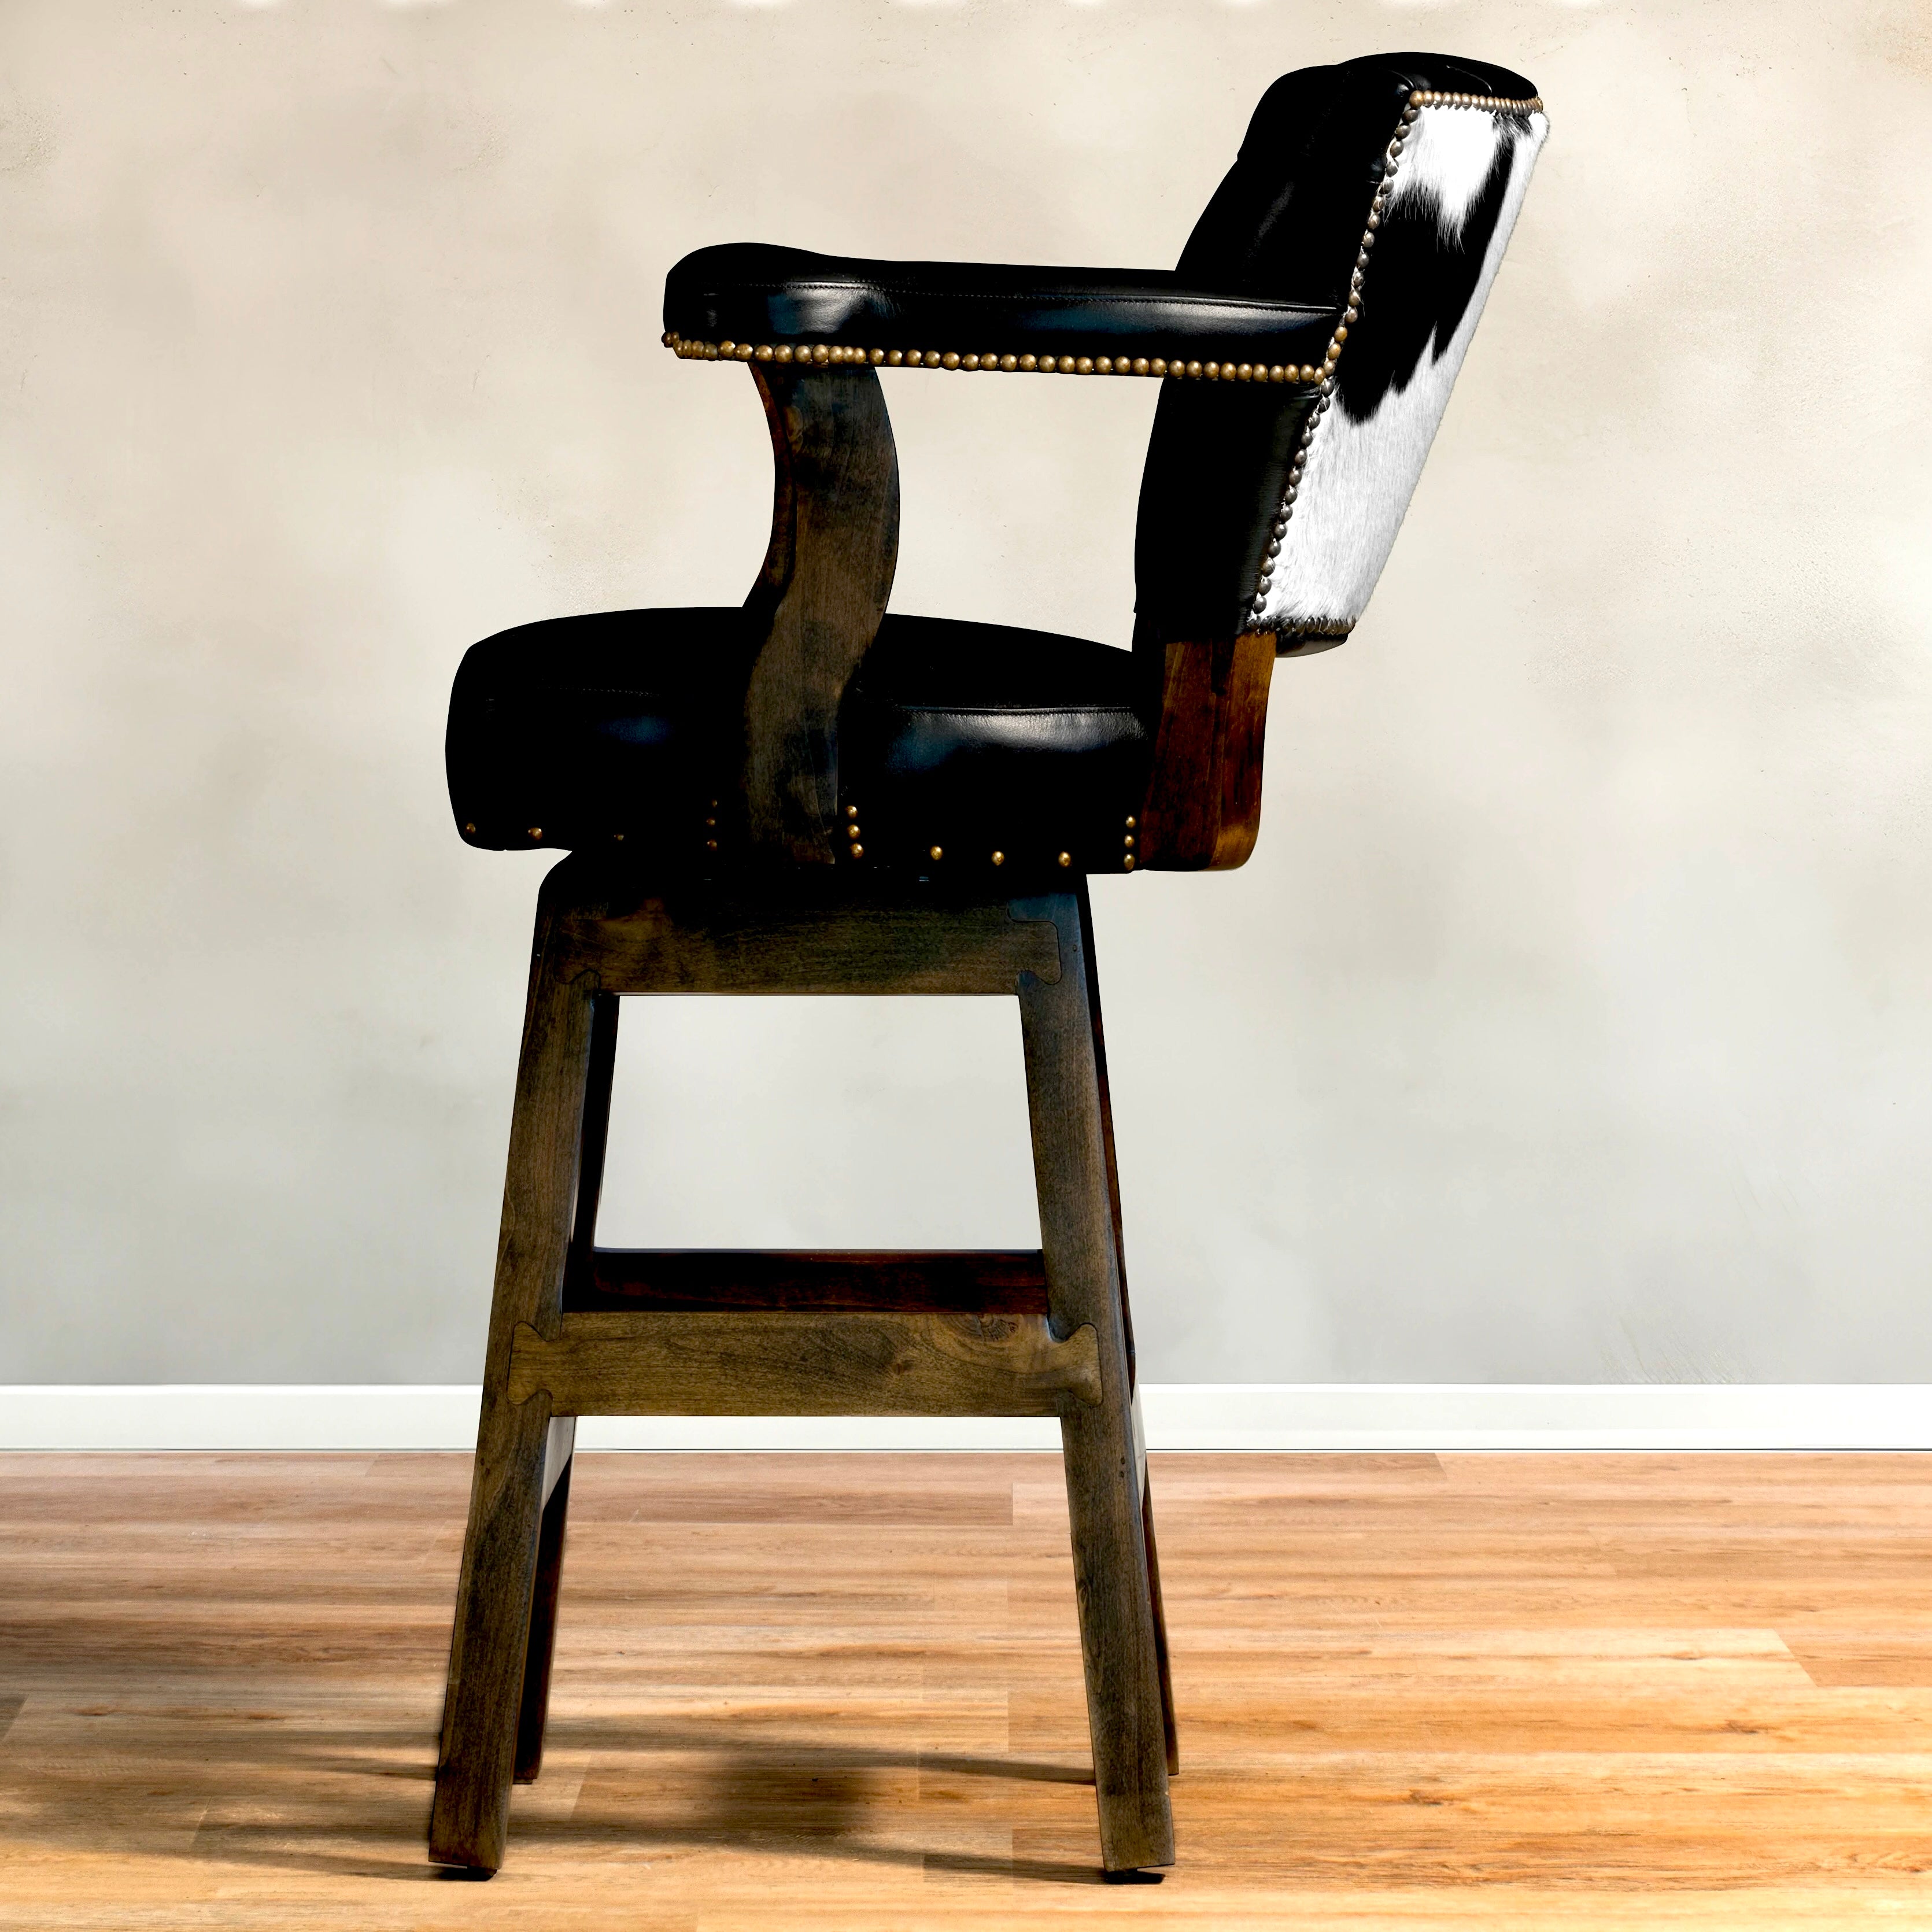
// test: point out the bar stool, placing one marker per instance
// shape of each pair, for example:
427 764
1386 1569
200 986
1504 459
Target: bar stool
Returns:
812 794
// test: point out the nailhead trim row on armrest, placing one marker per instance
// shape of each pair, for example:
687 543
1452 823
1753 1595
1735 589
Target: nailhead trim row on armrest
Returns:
1422 98
824 354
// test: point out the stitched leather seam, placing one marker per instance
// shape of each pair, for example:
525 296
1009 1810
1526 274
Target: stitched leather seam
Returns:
570 691
1010 710
1070 710
1240 304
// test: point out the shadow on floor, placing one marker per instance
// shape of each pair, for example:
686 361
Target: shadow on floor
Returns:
205 1780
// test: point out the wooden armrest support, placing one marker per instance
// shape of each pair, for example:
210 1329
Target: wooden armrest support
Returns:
1203 801
818 601
827 574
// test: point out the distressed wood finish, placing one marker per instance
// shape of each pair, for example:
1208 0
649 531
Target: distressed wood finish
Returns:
599 1077
490 1639
827 573
1170 1723
1068 1353
1120 1639
560 1443
533 1708
1204 800
806 1362
985 1281
785 945
540 1657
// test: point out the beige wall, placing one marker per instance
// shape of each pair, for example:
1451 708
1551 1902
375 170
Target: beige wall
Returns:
1572 1021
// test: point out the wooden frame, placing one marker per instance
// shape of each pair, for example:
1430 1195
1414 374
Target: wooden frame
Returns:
558 1347
575 1331
827 572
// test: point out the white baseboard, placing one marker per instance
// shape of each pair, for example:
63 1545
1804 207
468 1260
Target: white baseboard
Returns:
1179 1415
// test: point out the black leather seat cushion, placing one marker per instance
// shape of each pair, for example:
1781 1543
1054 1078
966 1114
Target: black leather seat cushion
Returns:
753 292
579 730
584 731
979 739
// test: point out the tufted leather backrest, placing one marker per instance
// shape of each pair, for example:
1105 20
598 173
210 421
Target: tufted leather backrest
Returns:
1387 185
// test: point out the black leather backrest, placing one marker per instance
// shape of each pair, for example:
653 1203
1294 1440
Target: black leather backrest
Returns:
1268 508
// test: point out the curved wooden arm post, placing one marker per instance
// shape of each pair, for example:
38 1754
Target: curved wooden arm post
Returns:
823 589
1203 801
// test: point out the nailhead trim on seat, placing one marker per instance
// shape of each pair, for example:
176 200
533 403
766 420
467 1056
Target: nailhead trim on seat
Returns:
824 355
935 853
1419 98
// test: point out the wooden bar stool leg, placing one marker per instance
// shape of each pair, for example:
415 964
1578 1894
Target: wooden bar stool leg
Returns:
1133 1369
535 1712
1160 1650
491 1638
1060 1024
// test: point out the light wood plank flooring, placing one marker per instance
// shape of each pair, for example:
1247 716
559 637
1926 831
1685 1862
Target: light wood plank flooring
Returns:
842 1692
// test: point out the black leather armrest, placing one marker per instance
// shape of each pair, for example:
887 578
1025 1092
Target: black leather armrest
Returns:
751 302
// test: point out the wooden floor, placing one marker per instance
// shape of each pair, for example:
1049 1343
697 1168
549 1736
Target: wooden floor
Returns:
845 1692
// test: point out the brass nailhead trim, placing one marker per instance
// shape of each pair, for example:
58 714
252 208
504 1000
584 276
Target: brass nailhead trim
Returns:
855 835
1422 98
937 853
822 354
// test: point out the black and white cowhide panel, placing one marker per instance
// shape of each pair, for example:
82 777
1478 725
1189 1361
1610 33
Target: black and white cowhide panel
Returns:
1454 200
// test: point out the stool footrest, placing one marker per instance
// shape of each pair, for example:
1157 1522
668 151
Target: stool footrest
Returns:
806 1362
961 1280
